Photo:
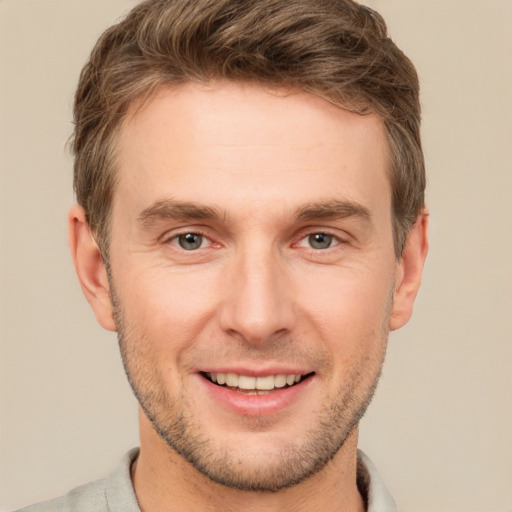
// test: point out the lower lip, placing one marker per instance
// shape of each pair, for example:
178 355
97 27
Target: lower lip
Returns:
256 405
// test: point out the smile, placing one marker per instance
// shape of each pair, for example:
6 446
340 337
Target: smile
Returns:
251 385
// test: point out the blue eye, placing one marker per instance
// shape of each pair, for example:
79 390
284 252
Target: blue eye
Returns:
190 241
320 240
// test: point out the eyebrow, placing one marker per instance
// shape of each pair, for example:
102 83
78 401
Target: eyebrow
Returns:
171 209
326 210
333 210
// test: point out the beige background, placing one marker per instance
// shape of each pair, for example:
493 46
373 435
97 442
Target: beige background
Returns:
440 427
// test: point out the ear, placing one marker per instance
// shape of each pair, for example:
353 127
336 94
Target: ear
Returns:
90 267
409 272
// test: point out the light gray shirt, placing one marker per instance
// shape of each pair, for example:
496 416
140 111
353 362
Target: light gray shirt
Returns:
116 493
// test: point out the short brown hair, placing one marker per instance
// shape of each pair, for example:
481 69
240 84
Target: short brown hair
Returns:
336 49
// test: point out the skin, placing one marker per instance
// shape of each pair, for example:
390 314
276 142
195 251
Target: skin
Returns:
256 173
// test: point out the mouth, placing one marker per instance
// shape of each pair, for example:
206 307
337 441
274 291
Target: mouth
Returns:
251 385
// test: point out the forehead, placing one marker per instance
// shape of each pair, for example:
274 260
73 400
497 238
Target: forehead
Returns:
208 142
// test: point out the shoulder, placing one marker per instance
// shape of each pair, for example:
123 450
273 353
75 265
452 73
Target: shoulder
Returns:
85 498
112 494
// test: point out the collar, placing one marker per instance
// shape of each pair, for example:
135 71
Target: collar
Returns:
121 495
372 487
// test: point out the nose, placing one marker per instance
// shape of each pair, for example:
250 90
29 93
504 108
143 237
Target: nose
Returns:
257 296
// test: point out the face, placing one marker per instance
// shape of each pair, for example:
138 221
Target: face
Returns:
252 273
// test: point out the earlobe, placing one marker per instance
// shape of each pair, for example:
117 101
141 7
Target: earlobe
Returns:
90 267
408 277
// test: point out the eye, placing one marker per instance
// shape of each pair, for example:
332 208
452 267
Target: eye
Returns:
190 241
319 241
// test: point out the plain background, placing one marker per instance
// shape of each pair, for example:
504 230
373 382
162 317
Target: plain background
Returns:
440 427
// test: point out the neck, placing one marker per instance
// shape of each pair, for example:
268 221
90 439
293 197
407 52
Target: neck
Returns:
164 481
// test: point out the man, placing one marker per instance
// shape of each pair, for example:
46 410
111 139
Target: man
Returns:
251 222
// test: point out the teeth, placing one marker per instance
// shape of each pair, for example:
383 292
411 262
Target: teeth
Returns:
249 383
265 382
245 382
280 381
231 379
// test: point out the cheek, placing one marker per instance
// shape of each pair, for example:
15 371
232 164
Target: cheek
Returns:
163 317
165 304
349 309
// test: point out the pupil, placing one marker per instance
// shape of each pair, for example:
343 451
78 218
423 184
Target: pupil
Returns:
190 241
320 241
